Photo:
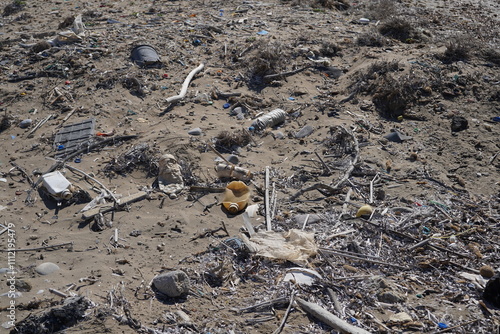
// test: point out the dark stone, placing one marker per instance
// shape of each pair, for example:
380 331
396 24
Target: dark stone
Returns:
459 123
491 292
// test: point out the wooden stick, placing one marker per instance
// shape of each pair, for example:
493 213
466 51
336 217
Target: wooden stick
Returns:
372 182
185 85
323 163
37 248
335 301
328 318
346 202
420 244
42 122
271 77
126 200
67 117
364 259
93 179
283 321
267 208
59 293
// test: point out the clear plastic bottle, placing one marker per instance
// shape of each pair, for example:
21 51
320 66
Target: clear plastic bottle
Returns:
236 197
270 119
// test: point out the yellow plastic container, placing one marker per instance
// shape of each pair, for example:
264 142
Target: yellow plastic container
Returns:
236 197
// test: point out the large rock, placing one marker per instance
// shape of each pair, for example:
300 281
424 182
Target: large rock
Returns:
172 283
46 268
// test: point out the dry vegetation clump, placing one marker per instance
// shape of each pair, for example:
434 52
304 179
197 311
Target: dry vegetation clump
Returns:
391 93
381 9
267 58
401 29
329 49
14 7
393 96
328 4
139 156
491 55
227 141
457 49
364 81
5 122
372 38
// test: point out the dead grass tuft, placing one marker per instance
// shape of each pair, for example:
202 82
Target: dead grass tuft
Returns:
5 123
457 49
372 38
14 7
381 9
491 55
227 141
329 49
400 29
267 58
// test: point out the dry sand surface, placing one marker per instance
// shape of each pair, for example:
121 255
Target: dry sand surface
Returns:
426 69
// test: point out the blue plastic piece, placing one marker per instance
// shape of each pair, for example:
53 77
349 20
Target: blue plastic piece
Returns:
442 325
226 105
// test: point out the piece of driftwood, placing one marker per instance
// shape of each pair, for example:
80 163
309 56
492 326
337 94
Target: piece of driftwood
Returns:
363 259
283 321
272 77
263 305
185 85
267 202
328 318
74 169
42 122
103 209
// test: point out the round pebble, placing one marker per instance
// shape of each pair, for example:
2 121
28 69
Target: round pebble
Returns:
25 123
487 271
195 132
47 268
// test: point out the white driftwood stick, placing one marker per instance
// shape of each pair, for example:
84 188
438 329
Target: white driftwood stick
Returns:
59 293
305 222
267 208
347 199
372 182
185 85
330 319
115 200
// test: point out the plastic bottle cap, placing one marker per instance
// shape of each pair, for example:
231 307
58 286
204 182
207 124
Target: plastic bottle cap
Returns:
66 194
251 128
226 105
233 208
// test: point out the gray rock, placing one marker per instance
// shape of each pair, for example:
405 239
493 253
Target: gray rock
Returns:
304 132
397 137
25 123
278 135
195 132
172 283
390 297
46 268
300 219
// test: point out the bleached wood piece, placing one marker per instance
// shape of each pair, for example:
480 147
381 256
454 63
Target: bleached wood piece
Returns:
328 318
185 85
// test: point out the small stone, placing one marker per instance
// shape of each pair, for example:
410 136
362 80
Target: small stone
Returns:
25 123
46 268
22 285
459 123
300 219
304 132
350 268
278 135
400 318
487 271
390 297
195 132
172 283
